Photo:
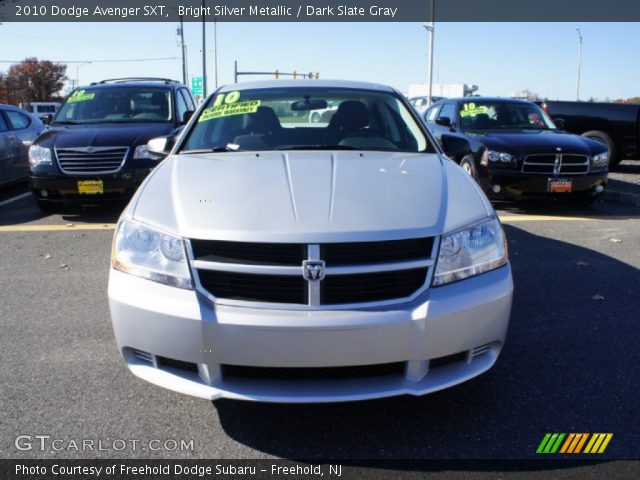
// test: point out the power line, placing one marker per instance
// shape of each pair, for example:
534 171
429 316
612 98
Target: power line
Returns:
99 61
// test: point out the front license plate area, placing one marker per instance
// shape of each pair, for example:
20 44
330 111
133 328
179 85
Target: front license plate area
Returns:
557 185
90 187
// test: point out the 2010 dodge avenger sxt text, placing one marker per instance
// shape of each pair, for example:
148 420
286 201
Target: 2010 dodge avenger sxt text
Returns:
276 259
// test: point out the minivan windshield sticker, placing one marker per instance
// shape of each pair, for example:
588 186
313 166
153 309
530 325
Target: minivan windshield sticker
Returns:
250 106
80 96
470 110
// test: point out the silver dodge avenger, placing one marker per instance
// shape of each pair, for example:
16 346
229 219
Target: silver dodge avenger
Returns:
272 258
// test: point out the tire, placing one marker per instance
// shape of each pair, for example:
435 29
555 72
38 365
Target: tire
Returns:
468 164
48 207
315 117
604 139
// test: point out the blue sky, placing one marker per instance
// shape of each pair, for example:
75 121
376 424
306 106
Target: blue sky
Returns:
498 57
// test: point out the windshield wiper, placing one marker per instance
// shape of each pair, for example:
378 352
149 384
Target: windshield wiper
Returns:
317 147
210 150
65 122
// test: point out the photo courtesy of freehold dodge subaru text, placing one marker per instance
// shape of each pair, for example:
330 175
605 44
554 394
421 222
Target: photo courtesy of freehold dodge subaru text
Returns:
314 238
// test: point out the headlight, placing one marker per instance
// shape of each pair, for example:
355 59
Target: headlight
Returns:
499 157
141 152
472 251
148 253
39 155
600 160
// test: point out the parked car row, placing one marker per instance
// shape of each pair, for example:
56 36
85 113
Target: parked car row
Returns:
514 149
18 130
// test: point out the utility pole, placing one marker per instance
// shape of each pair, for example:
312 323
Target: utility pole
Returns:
431 29
204 52
184 65
579 63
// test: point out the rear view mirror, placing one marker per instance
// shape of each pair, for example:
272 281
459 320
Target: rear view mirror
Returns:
308 104
187 116
443 121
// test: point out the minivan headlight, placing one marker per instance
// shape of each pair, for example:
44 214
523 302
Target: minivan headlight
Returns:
39 155
471 251
148 253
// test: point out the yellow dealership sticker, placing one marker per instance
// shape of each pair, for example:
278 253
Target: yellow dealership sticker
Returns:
226 110
80 96
471 110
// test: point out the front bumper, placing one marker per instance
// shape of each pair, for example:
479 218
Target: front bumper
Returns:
153 321
58 187
515 184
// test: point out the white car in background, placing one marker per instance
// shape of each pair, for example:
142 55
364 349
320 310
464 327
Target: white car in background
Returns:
268 261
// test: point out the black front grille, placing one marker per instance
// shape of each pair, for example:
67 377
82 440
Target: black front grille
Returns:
545 164
177 364
447 360
249 253
362 253
313 373
256 288
371 287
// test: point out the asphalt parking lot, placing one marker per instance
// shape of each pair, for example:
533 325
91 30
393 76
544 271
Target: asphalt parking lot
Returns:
571 361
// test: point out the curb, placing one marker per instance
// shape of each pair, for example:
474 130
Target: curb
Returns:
622 197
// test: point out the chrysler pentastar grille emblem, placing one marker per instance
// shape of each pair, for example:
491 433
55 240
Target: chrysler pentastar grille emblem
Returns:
313 270
89 149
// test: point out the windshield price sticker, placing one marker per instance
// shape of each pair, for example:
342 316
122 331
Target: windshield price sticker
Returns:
470 110
80 96
226 110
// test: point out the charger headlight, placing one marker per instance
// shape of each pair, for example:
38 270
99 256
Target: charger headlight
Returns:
600 160
39 155
503 157
149 253
471 251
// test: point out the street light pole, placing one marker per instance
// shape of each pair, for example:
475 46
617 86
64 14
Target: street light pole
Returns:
431 29
579 64
215 49
204 53
78 72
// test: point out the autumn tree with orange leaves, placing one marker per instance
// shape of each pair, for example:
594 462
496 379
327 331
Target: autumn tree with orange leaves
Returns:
34 80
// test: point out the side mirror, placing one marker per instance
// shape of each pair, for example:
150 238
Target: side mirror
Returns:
160 146
559 123
443 121
47 118
187 116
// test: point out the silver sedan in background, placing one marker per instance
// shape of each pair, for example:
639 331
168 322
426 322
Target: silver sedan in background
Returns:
18 130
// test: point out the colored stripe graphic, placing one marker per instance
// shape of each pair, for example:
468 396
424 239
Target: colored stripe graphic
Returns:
550 443
572 443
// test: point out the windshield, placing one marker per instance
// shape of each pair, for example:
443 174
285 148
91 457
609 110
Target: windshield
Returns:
303 118
116 105
479 115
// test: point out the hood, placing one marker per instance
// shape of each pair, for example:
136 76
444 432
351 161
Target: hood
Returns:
102 135
525 142
309 197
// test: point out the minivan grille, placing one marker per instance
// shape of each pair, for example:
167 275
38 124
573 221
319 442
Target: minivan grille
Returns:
552 164
91 160
347 273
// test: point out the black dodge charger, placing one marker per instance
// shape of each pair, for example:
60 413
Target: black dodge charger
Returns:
513 149
95 147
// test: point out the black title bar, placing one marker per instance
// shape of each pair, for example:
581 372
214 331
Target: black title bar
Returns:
319 10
